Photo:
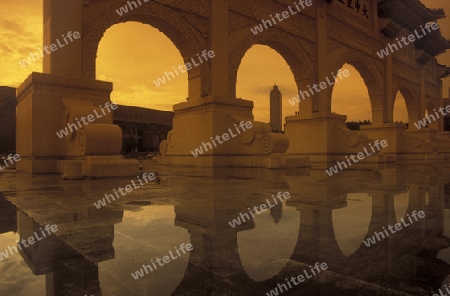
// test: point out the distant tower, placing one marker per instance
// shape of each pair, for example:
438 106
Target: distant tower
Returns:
275 109
276 212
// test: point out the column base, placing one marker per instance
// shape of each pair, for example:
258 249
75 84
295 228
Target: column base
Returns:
402 143
99 167
325 138
197 124
49 104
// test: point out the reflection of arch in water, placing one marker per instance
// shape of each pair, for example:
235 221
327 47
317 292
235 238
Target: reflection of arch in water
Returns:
369 73
318 237
262 243
351 223
401 205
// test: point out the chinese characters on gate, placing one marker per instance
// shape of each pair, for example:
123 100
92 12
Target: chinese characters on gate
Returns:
356 5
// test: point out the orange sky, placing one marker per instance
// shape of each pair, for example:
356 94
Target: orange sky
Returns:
132 55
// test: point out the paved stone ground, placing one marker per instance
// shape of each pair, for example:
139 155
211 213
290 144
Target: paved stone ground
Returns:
95 250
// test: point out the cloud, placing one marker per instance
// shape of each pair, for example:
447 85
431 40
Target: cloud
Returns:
12 26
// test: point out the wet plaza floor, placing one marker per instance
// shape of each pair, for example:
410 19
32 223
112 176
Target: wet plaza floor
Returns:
325 220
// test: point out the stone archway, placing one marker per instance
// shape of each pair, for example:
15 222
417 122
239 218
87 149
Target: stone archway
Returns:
372 79
160 17
433 112
292 52
408 92
308 42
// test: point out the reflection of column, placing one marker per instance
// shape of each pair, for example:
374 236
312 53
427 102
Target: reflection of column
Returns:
414 193
70 257
216 252
383 215
316 239
8 218
316 201
75 276
417 203
310 242
213 239
398 256
215 257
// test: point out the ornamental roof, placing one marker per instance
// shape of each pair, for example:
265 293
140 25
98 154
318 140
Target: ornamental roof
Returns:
411 14
433 43
443 71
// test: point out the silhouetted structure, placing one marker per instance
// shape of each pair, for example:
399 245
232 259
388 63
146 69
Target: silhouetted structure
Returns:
142 129
276 109
276 212
355 126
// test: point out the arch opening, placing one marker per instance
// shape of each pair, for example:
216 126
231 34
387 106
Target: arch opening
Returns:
400 111
146 75
256 247
147 79
256 81
359 111
166 21
358 213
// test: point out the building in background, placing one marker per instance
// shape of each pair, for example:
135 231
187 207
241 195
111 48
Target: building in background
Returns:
276 110
8 103
142 129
